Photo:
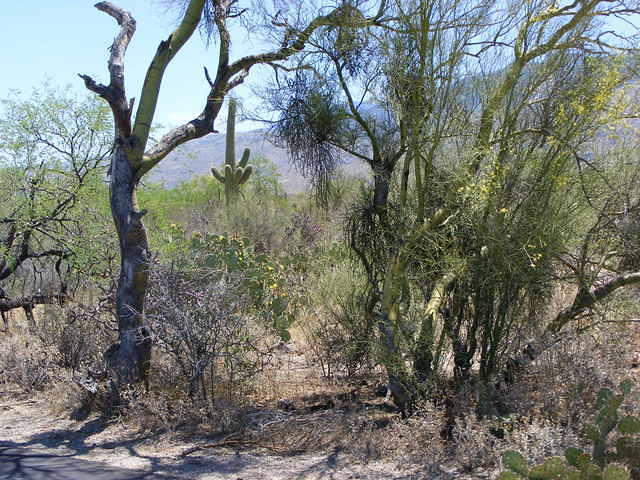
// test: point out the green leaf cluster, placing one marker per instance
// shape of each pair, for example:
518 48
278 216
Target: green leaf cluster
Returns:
617 459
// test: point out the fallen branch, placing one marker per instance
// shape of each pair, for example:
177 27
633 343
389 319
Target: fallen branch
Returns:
231 440
17 404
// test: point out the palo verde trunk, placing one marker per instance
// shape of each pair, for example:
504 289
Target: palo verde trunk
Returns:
128 359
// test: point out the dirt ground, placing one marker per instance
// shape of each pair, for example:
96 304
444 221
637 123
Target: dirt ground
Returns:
30 424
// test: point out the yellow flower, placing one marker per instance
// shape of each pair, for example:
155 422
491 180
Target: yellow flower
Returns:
173 225
503 210
270 268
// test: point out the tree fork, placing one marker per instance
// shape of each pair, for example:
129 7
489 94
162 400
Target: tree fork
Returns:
128 359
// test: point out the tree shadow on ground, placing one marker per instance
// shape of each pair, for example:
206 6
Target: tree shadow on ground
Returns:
53 455
336 466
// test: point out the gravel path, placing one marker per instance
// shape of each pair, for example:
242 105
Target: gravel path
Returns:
43 444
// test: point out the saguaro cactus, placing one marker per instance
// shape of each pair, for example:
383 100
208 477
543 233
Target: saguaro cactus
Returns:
233 175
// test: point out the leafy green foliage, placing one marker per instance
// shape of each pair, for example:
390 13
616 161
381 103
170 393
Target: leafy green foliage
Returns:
53 197
277 253
609 460
311 122
262 277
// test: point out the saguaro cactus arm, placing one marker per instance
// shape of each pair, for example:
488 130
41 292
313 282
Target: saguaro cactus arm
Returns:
232 175
245 158
219 176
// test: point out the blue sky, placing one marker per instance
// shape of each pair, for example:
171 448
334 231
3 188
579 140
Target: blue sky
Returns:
42 39
58 39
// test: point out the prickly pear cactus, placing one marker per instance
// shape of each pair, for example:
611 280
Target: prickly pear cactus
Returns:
619 460
232 175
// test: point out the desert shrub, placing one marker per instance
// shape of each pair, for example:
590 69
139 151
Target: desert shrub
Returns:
201 320
304 231
338 331
265 228
77 333
162 410
197 205
26 364
268 281
615 452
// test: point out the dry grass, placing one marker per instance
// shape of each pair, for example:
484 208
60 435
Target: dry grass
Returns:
290 408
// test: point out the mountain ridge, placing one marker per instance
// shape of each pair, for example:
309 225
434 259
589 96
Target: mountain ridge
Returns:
196 158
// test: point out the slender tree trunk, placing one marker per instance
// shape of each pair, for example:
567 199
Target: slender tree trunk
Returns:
404 185
381 183
392 359
423 363
400 383
28 312
128 359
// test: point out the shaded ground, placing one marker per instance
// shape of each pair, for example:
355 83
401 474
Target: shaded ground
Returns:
35 445
19 463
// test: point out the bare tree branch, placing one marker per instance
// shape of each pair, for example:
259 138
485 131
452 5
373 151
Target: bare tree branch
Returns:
6 304
587 299
231 75
114 93
151 87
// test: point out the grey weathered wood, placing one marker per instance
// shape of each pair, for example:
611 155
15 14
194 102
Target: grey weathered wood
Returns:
128 359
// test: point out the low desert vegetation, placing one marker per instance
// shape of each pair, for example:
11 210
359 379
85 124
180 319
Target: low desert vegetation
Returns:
470 303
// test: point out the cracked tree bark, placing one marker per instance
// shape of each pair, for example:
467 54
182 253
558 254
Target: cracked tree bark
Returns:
129 359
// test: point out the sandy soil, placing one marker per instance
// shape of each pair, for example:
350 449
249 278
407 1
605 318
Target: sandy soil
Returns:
29 423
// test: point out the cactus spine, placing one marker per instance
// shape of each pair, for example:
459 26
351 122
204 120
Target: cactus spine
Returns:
233 175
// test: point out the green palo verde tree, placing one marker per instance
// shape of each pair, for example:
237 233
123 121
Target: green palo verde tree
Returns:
53 153
461 254
232 175
133 156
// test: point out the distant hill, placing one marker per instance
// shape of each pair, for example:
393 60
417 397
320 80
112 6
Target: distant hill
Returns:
198 156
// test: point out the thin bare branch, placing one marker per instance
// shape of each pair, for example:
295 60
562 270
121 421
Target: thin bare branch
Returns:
114 93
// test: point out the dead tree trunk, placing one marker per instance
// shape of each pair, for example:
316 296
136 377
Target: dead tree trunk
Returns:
129 358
